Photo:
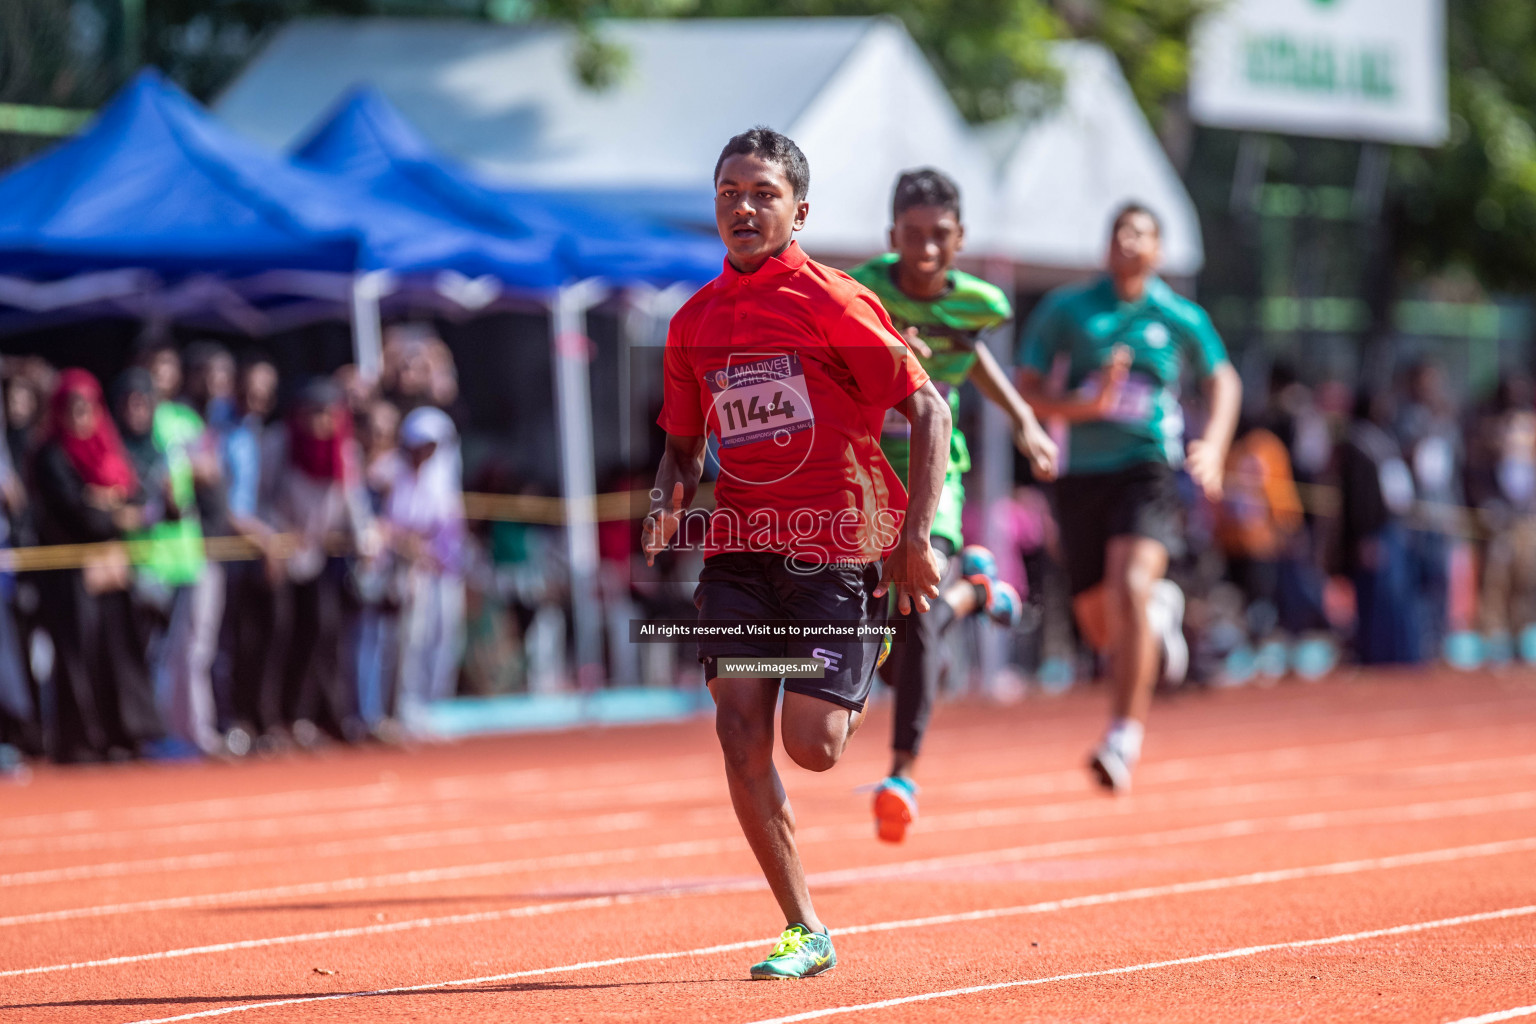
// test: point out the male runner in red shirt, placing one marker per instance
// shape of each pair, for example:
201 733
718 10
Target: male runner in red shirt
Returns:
791 366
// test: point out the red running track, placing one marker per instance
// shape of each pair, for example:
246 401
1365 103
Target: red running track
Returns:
1358 849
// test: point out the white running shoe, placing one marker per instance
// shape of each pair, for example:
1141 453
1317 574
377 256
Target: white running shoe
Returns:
1111 768
1166 612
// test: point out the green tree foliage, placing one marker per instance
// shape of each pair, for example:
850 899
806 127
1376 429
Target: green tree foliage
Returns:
1471 204
47 59
984 49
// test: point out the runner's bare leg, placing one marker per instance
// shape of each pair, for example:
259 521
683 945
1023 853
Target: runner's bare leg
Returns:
1131 565
744 724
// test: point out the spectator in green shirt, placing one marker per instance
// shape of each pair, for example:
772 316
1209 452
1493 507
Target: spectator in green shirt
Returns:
173 555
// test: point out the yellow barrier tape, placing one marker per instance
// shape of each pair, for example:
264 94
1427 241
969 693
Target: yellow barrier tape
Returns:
496 508
1320 499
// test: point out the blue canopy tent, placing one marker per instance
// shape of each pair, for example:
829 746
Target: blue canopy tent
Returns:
157 197
365 139
155 184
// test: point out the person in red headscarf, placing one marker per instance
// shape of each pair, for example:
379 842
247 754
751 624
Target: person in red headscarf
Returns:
79 425
320 502
88 493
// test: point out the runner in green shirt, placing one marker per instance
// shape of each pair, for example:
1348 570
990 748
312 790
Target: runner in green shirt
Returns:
1120 343
945 315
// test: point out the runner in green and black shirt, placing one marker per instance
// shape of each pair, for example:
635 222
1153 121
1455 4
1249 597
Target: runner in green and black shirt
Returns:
1122 342
945 315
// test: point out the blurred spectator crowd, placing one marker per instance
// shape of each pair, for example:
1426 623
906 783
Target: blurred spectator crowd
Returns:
1382 526
201 569
198 558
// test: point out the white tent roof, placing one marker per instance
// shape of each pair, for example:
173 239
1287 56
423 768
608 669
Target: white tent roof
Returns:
1062 176
855 93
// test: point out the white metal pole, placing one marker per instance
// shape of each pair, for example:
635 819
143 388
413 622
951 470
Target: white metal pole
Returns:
367 330
573 405
996 481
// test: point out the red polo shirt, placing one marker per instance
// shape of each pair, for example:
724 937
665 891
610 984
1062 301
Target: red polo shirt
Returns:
790 370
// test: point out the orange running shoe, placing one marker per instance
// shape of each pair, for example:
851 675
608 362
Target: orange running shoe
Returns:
895 808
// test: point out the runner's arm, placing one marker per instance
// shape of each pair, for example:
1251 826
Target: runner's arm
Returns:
929 415
1207 454
1028 436
911 567
1071 408
677 481
994 386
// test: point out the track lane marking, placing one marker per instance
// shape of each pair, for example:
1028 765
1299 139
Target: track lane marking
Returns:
602 824
359 819
1087 808
235 807
1252 878
214 809
1428 811
1048 906
1264 762
375 796
1489 1018
1226 954
414 812
1229 954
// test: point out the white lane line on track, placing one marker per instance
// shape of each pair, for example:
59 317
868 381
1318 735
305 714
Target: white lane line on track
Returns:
338 818
598 825
217 807
1259 762
534 780
334 820
1088 807
526 780
537 786
1220 830
1253 878
1489 1018
1254 792
1226 954
1048 906
1091 807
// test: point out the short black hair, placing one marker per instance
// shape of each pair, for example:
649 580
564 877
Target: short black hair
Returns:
769 145
925 187
150 344
1132 208
250 357
201 354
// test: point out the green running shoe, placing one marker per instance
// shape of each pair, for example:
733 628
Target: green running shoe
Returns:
799 954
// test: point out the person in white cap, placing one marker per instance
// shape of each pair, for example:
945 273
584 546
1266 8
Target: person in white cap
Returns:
425 519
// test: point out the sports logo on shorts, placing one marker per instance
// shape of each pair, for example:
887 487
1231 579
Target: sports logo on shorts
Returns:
831 659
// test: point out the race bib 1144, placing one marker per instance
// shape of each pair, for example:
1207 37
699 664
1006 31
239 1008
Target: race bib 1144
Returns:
760 398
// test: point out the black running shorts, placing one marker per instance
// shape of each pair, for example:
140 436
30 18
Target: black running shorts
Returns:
747 587
1091 508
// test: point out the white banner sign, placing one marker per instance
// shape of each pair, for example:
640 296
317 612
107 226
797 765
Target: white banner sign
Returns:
1355 69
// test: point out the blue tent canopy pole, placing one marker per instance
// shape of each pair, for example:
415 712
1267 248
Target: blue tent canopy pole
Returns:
573 408
367 328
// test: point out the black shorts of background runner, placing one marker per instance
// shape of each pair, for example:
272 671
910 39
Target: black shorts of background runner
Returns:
917 662
750 587
1091 508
